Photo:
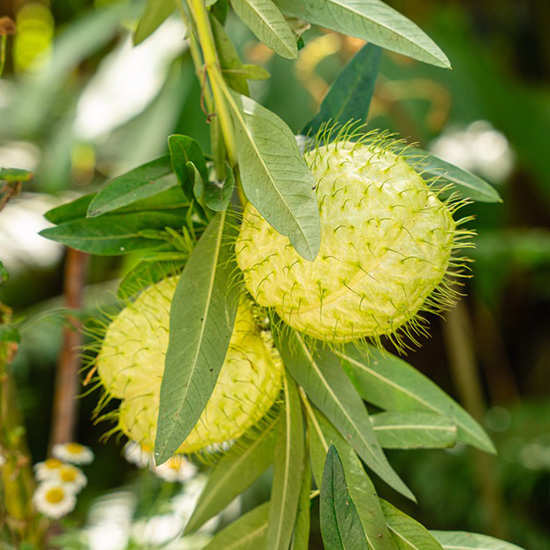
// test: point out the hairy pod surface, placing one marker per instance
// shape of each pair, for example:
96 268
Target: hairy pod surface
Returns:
386 246
131 366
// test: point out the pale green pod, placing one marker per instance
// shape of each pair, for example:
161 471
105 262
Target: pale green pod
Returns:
386 245
131 364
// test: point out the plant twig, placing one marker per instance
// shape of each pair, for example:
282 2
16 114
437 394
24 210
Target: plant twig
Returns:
66 385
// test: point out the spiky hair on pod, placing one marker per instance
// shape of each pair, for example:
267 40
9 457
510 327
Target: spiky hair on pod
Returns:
388 253
130 366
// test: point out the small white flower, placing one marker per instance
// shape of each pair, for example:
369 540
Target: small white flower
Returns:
70 477
134 453
73 452
45 470
158 530
53 499
176 468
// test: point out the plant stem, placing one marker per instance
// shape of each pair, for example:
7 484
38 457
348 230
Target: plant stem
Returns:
217 84
66 388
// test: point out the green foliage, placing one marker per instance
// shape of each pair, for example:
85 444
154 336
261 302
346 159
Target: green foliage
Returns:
156 12
15 175
451 540
201 323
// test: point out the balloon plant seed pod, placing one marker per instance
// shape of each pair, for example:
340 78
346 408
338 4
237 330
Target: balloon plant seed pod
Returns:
387 248
131 365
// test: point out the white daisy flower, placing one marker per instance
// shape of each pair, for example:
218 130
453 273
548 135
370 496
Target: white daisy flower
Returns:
73 452
139 455
177 468
70 477
45 470
53 499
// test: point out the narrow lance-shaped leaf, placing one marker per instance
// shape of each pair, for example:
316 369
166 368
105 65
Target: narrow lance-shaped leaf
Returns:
414 430
287 471
113 234
328 387
246 533
407 533
371 20
465 183
392 384
275 176
360 487
201 323
268 24
300 538
340 525
235 473
140 183
155 13
458 540
350 96
184 150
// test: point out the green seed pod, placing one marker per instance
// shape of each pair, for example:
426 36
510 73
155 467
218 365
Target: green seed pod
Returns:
386 246
131 365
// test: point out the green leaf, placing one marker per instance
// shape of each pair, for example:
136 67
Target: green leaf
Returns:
201 323
235 473
199 187
146 273
350 96
328 387
370 20
392 384
300 538
468 185
340 525
113 234
255 72
230 62
217 194
458 540
323 434
414 430
407 533
4 275
268 24
183 150
247 533
287 471
275 176
140 183
15 175
8 333
156 12
70 211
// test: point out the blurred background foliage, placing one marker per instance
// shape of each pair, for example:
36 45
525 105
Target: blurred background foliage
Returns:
79 105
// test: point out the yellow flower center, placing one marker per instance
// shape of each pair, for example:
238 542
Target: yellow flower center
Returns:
53 463
68 475
74 448
55 495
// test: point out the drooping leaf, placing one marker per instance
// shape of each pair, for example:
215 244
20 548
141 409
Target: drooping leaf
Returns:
213 195
414 430
140 183
407 533
275 176
113 234
465 183
246 533
14 175
155 13
371 20
340 525
235 473
328 387
183 150
230 62
350 96
322 435
266 21
392 384
219 9
300 538
201 323
287 471
458 540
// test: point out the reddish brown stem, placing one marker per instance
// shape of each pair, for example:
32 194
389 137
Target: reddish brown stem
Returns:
66 384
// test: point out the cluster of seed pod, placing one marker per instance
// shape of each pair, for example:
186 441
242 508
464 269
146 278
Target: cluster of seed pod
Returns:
387 254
